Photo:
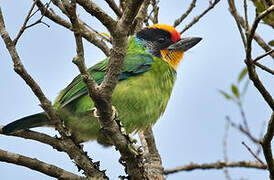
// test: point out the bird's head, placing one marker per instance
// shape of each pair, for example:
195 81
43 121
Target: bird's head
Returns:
165 42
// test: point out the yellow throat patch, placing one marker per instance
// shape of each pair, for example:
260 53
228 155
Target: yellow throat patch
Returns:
172 57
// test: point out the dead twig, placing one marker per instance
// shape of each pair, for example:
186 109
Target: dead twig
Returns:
184 15
243 130
88 34
197 18
216 165
264 68
263 55
253 154
25 26
227 175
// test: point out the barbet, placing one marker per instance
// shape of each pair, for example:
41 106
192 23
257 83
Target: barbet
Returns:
141 95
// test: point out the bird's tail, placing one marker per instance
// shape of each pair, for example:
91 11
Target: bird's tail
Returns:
35 120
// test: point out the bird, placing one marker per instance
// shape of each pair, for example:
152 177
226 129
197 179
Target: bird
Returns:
140 97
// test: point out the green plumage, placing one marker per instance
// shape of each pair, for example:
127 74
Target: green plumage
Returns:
140 97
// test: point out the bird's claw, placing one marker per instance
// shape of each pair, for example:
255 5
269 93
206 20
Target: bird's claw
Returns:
94 111
114 115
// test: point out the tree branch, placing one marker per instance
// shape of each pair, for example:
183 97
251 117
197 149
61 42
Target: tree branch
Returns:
40 137
216 165
114 7
264 68
197 18
249 62
263 55
96 11
241 23
253 154
37 165
88 34
190 8
152 156
23 28
266 145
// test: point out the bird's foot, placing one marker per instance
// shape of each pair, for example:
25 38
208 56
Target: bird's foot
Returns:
135 149
114 115
94 112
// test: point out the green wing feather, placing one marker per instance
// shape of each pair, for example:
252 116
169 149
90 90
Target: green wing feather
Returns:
135 64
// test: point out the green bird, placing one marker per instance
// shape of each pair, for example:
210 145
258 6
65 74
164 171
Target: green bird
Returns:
140 97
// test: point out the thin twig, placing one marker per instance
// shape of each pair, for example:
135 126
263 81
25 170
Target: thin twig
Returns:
244 131
261 135
263 55
243 116
216 165
246 17
88 34
225 150
23 28
37 165
197 18
241 23
233 11
180 19
253 154
249 62
264 68
40 19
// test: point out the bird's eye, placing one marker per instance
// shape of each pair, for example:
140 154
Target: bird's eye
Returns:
161 40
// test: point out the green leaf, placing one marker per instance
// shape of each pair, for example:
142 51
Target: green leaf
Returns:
242 75
271 43
235 90
226 95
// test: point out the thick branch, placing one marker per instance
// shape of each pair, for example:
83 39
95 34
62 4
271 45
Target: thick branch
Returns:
101 95
216 165
37 165
153 159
